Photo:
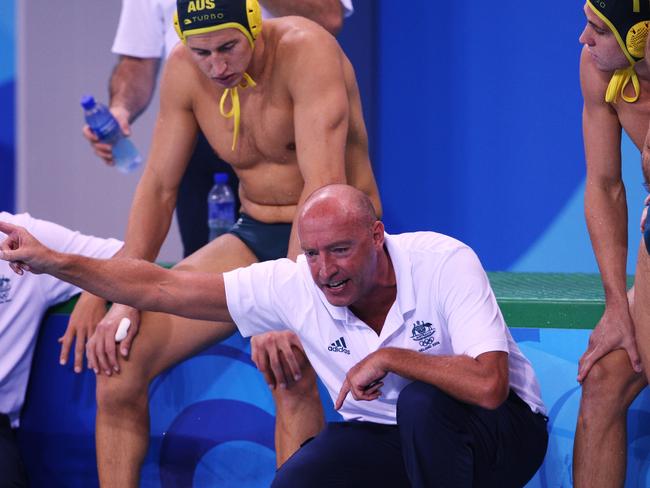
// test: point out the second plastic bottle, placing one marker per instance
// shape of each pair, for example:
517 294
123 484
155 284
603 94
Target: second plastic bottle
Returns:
221 206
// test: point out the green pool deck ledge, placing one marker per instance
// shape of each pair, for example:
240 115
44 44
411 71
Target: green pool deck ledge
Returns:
542 300
550 300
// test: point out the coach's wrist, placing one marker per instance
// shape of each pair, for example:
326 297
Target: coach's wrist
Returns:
385 358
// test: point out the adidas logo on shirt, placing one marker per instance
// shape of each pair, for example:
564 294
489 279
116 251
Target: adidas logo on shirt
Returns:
339 345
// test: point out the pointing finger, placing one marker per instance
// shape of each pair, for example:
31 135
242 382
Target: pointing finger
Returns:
345 389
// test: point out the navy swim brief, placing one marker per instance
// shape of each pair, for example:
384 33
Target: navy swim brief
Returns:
267 241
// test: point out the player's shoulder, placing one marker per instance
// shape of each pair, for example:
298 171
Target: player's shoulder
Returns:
181 76
179 56
294 34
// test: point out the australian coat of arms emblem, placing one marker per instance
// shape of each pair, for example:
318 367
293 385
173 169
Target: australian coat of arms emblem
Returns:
422 332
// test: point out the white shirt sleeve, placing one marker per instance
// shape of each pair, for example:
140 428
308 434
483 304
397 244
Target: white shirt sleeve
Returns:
65 240
474 321
141 29
264 296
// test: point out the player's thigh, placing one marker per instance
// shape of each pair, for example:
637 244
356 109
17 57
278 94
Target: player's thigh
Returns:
165 339
225 253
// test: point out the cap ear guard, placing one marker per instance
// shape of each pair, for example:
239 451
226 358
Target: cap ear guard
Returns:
636 38
177 28
254 16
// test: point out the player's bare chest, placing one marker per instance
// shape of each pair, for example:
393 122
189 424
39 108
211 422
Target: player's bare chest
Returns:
265 127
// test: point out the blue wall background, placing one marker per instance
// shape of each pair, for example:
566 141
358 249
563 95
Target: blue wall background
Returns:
475 127
7 105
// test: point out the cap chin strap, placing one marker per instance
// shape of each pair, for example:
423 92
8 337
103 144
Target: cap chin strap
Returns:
619 81
235 110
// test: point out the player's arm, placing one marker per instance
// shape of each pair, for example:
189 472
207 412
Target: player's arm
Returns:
173 141
153 202
606 214
328 13
132 84
481 381
135 282
605 202
315 80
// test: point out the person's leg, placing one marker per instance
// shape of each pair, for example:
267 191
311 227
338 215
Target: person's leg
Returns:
12 470
122 425
520 439
446 442
600 446
299 411
346 454
435 443
192 201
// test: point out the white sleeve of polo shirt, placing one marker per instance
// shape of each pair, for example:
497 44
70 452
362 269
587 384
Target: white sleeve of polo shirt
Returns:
474 321
141 29
259 296
65 240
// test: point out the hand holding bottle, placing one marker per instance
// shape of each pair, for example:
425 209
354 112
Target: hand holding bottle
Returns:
108 132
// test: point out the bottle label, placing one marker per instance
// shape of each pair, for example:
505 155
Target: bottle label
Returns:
224 212
107 129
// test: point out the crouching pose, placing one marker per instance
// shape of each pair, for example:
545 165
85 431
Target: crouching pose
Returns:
404 331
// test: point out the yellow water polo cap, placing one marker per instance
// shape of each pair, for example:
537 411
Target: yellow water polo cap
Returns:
201 16
629 21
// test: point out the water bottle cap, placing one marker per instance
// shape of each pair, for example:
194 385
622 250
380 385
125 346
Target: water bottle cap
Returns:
88 102
221 177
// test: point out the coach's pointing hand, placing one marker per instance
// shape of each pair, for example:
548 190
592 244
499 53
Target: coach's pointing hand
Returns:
23 251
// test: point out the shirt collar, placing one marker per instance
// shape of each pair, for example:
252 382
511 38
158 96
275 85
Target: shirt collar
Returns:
403 268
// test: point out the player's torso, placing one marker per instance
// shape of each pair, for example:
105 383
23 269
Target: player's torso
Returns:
264 155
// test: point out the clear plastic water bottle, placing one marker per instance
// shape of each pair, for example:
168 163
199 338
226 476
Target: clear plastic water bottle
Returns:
107 129
221 206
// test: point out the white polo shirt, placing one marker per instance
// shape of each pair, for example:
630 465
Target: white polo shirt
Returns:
146 27
444 306
24 300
